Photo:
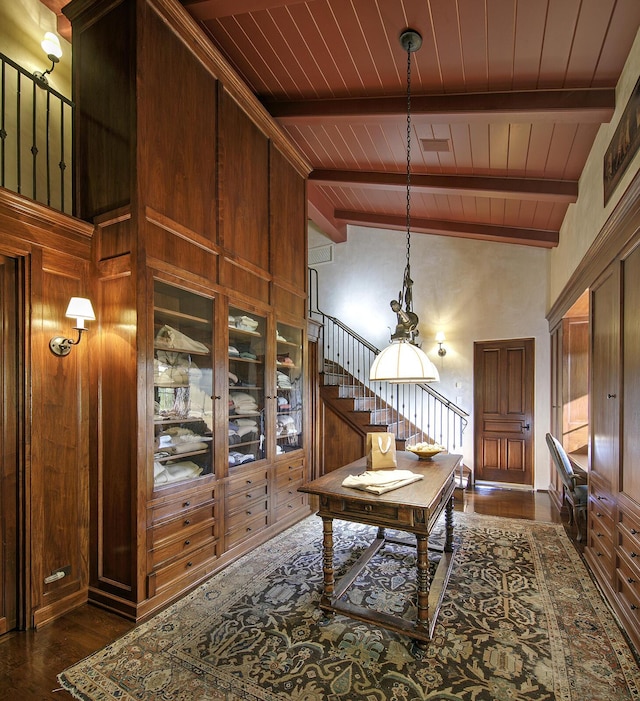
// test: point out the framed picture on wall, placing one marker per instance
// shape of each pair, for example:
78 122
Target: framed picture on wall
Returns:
624 144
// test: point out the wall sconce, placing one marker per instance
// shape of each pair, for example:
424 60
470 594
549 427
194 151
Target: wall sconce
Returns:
440 339
51 46
80 309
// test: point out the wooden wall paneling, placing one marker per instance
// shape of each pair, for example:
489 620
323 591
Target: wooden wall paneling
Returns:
341 444
12 470
104 94
178 131
605 376
114 477
555 485
288 226
171 245
59 478
244 185
630 445
575 384
244 278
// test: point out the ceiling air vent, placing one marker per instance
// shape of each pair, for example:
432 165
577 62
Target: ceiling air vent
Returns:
321 254
435 145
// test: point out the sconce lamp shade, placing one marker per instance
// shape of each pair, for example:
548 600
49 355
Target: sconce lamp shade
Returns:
51 46
440 337
80 308
403 362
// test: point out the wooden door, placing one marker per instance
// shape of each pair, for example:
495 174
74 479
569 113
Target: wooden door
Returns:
503 411
8 447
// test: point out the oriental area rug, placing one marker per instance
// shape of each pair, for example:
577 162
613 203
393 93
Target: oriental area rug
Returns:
521 620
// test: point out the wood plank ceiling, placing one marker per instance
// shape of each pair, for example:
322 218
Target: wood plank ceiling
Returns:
507 98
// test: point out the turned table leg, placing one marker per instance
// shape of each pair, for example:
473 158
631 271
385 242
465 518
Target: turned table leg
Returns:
423 584
448 519
327 560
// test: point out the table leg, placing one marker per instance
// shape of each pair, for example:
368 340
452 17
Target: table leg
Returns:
423 584
327 559
448 519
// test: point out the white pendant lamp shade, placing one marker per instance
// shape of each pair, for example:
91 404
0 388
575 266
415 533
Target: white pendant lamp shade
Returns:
403 362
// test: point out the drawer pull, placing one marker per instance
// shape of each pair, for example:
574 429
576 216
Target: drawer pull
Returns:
611 396
633 531
249 482
187 503
599 554
187 521
189 564
249 495
599 535
248 513
632 554
187 542
249 529
600 498
368 507
598 514
633 607
631 580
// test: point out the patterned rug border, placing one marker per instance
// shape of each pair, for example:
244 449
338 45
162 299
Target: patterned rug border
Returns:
280 549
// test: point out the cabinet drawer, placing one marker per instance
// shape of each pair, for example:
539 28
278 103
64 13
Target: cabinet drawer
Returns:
186 523
601 495
164 576
247 529
285 467
294 476
175 507
629 597
629 525
288 492
183 546
629 544
600 517
249 481
247 496
247 513
288 507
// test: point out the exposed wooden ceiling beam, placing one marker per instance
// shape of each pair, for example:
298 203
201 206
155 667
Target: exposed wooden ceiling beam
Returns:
565 191
321 211
214 9
483 232
588 105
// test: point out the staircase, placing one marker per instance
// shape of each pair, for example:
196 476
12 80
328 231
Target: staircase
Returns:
413 412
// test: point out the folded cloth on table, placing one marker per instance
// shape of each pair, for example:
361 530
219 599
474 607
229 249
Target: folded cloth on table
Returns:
381 481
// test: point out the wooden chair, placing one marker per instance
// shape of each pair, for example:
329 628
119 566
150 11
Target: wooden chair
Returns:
575 494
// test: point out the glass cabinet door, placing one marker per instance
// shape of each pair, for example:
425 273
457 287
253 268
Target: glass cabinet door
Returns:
289 387
182 385
246 386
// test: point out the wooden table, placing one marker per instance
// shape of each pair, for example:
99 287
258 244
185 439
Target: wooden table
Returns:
415 509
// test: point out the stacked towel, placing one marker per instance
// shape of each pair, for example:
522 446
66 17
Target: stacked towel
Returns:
381 481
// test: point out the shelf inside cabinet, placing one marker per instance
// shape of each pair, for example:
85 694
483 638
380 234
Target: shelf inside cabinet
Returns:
235 331
180 316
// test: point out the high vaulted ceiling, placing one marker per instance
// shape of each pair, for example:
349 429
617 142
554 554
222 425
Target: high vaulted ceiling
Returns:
507 98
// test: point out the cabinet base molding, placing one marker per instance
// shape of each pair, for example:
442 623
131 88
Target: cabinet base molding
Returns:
148 607
49 613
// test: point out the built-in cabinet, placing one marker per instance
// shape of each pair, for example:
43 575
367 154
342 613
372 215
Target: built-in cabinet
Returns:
611 274
199 412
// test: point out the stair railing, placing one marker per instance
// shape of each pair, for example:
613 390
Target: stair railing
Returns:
36 127
414 412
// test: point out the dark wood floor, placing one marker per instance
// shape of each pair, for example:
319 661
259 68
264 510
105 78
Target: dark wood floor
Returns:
30 661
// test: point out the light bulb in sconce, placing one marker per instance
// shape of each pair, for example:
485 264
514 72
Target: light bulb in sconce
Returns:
81 310
440 339
51 46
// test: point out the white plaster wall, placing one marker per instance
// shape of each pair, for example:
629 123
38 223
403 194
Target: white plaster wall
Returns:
585 218
471 290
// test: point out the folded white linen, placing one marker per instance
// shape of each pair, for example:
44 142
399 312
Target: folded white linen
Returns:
381 481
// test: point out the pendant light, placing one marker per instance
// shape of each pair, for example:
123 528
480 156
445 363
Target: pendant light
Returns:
404 361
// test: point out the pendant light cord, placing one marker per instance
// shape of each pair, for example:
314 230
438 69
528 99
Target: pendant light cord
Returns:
407 282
